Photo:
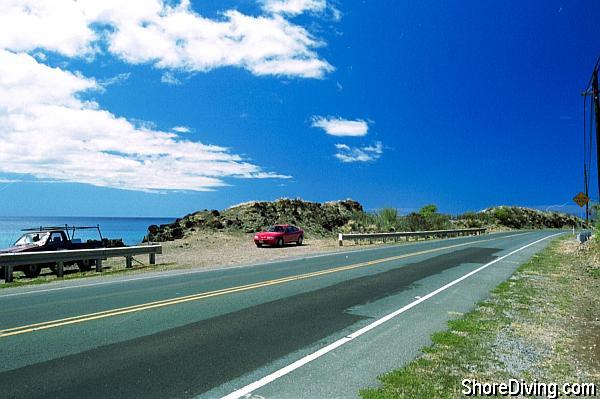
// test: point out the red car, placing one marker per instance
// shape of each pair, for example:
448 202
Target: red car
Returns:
279 235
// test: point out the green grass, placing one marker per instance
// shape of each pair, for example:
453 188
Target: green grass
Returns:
47 279
18 283
469 348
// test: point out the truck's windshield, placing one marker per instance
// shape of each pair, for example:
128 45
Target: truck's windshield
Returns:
33 238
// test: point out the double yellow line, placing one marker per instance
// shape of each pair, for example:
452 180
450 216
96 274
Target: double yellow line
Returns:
196 297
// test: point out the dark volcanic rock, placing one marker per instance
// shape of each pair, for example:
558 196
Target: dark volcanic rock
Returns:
314 217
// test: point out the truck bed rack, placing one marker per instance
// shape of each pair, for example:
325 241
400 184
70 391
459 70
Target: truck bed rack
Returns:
70 230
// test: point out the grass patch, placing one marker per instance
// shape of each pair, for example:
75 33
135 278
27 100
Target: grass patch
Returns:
73 275
529 328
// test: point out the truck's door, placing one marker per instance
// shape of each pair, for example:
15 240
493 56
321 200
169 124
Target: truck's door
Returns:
57 241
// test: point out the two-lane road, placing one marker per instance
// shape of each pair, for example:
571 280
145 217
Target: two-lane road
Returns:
321 326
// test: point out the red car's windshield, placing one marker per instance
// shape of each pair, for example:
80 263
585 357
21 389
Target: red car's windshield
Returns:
275 229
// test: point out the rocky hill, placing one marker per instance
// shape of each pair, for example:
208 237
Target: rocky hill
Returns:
349 216
516 217
313 217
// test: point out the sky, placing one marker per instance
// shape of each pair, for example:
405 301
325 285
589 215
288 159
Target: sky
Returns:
161 108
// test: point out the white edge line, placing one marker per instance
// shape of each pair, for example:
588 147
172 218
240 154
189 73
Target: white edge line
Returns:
315 355
187 272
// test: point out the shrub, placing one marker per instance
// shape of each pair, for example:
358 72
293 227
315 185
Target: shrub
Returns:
387 219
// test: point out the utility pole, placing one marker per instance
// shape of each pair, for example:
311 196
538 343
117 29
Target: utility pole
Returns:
597 115
587 204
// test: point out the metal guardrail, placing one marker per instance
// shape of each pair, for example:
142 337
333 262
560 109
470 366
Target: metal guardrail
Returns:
407 234
59 258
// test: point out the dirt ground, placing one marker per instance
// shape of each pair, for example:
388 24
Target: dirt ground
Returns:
225 249
585 269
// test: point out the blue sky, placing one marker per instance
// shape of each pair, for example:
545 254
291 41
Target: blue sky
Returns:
164 108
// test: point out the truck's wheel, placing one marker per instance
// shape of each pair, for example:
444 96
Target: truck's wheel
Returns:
32 271
85 265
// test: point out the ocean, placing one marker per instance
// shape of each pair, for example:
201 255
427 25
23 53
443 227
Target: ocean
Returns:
131 230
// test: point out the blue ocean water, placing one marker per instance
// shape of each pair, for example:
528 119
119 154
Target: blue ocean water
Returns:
131 230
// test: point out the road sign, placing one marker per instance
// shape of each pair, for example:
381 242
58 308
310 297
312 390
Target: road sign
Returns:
581 199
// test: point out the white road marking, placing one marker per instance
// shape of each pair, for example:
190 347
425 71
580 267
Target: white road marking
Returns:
315 355
516 235
176 273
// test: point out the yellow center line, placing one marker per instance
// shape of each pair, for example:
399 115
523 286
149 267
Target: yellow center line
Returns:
195 297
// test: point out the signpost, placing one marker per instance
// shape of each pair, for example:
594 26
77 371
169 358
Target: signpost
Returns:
581 199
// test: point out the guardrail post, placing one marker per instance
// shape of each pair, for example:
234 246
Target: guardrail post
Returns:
99 264
8 274
128 262
60 269
152 259
341 239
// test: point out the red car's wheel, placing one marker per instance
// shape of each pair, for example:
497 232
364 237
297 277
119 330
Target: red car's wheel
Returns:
299 242
280 242
258 244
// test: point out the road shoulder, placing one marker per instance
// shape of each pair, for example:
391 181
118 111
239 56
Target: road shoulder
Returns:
542 324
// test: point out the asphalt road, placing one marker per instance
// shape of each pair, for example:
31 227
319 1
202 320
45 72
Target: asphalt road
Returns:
207 334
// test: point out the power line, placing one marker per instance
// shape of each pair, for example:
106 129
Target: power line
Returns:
591 88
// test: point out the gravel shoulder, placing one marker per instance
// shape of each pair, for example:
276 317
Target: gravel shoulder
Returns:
543 324
231 249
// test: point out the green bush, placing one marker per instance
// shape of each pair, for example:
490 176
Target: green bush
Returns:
502 214
387 219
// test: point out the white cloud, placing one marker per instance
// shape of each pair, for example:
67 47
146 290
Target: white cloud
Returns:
181 129
48 132
168 36
336 14
61 26
341 127
294 7
115 80
170 79
349 154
